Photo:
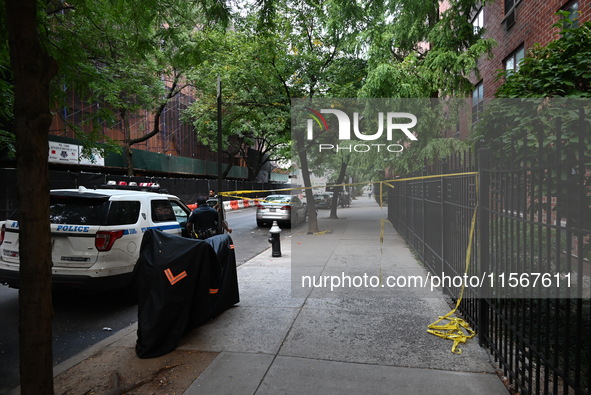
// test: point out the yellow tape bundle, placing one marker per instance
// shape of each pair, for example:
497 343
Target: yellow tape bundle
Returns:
457 330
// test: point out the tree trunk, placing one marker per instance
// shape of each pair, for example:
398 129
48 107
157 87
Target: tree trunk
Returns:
312 217
227 169
129 159
127 142
253 171
33 70
335 198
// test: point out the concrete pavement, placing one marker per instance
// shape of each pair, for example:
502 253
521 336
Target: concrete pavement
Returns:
285 338
349 340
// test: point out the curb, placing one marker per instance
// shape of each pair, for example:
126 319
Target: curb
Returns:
94 349
87 353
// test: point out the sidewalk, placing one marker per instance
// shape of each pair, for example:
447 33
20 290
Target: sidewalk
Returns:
344 341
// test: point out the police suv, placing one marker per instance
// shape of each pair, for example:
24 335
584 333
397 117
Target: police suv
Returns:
96 235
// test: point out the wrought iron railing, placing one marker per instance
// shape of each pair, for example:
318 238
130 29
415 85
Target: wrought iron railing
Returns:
534 217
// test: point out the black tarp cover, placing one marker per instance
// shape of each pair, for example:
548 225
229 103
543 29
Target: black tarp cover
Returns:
178 281
228 294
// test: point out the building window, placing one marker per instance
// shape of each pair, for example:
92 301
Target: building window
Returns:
478 21
509 5
572 20
512 62
509 19
477 101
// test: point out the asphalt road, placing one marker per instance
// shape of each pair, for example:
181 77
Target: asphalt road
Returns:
81 321
249 240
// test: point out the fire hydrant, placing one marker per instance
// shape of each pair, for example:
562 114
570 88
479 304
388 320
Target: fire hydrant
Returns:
274 239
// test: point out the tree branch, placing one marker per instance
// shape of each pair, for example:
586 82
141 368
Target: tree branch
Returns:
173 91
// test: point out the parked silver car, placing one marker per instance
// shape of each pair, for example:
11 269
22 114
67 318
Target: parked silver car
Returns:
284 209
322 200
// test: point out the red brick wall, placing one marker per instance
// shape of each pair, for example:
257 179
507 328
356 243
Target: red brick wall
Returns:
533 25
175 138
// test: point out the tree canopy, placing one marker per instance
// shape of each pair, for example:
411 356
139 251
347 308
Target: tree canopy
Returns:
255 108
418 51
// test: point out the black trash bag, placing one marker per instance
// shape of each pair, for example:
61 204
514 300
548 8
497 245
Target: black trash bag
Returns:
228 293
174 276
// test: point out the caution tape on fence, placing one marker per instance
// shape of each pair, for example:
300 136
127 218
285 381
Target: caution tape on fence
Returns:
456 329
391 182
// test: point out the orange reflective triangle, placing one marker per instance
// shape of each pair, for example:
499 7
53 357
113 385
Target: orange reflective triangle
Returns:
174 279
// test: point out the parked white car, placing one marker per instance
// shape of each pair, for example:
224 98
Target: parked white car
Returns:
286 210
96 235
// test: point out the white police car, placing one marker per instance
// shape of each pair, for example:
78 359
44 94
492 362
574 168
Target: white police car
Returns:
96 235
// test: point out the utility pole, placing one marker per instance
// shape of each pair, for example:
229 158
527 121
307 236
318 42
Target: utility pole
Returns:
220 184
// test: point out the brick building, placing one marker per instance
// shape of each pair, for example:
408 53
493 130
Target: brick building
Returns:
175 149
516 26
176 137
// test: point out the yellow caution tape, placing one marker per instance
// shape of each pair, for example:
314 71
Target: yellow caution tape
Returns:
245 192
253 199
382 223
457 329
238 194
468 173
242 197
382 229
389 182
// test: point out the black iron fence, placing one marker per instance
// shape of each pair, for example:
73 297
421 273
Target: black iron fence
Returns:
534 224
